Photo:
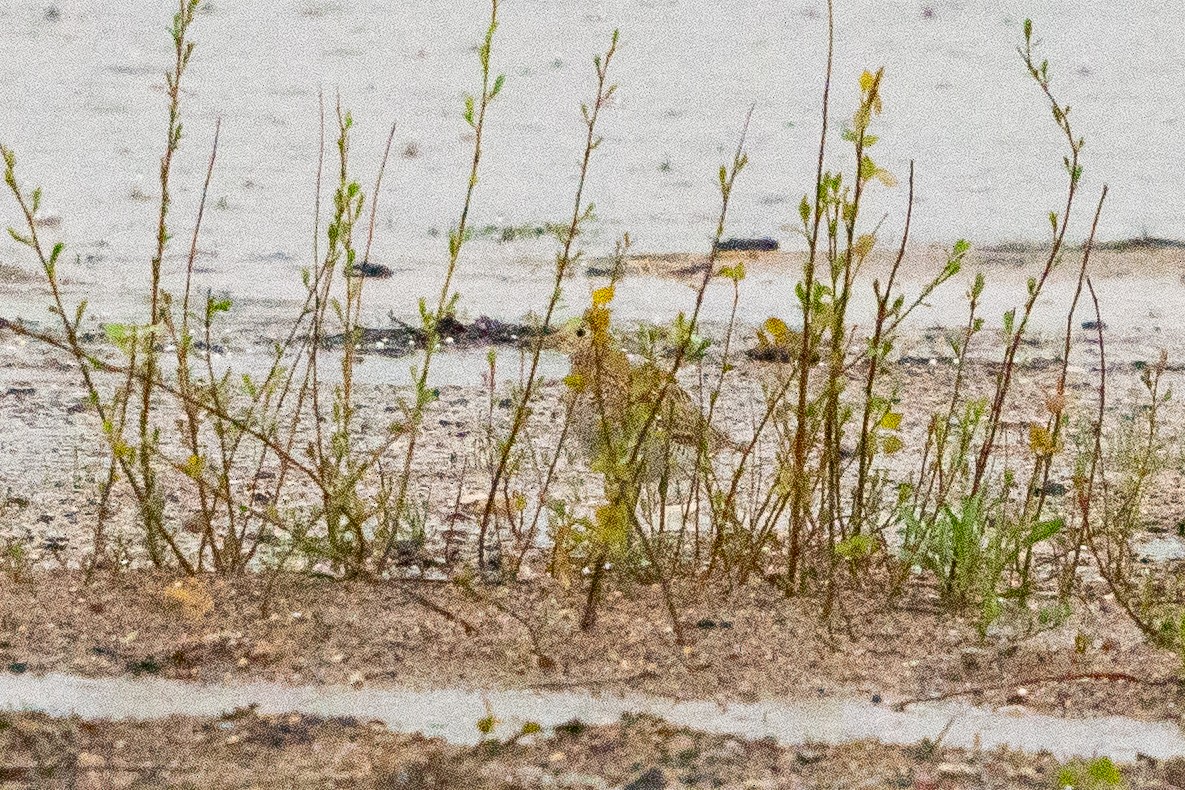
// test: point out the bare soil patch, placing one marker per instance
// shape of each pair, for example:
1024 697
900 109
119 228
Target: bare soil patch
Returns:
243 749
746 645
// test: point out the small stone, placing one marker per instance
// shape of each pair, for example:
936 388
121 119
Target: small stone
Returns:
972 658
356 679
957 771
808 756
1029 775
371 269
654 779
574 780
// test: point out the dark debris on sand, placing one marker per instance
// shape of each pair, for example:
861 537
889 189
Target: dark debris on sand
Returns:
402 338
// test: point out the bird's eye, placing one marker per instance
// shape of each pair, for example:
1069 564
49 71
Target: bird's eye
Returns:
580 332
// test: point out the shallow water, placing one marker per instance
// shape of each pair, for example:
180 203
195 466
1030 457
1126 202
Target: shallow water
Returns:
84 108
1165 548
452 714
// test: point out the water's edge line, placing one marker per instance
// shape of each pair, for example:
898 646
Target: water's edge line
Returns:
453 713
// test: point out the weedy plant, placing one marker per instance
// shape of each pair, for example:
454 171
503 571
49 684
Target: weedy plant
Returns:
1097 774
506 457
277 470
976 530
250 427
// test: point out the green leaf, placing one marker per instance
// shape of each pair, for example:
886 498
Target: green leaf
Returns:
891 421
119 334
1044 530
499 81
855 547
219 306
26 241
193 467
735 273
1103 770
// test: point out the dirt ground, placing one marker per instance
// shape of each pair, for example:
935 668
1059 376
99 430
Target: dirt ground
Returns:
243 749
748 645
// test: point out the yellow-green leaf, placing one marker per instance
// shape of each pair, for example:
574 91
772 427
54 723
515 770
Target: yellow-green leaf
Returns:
193 466
736 273
1041 440
864 245
777 330
602 296
855 547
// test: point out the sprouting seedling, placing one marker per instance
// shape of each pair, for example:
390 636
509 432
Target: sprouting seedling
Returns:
487 723
1097 774
528 728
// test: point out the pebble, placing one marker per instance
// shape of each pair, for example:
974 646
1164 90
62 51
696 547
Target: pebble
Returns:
957 770
973 658
808 756
574 780
653 779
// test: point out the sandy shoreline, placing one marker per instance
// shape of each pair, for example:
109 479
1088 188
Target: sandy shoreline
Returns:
295 628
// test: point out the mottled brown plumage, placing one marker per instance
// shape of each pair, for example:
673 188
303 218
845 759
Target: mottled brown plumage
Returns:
614 399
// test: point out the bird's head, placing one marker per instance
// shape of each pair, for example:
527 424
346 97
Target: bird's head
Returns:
589 330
